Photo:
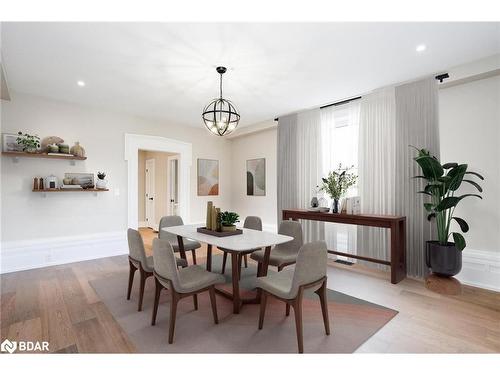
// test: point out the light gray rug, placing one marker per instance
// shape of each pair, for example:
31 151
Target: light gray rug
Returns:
352 320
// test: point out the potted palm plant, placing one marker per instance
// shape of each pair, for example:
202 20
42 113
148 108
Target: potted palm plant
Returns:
337 183
228 221
443 257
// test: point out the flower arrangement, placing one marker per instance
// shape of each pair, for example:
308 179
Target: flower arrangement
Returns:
337 183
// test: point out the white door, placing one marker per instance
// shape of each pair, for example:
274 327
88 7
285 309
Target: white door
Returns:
150 194
173 185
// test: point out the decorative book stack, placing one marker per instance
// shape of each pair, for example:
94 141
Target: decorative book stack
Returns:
213 222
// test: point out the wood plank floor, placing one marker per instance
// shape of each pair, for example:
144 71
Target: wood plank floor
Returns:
57 304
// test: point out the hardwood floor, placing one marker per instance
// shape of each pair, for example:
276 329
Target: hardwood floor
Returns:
57 304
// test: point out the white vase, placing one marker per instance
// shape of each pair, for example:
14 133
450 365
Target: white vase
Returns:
101 184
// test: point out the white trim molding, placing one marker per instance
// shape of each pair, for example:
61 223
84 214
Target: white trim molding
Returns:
136 142
480 269
24 255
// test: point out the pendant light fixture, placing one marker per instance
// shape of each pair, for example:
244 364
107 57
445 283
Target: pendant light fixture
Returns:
221 116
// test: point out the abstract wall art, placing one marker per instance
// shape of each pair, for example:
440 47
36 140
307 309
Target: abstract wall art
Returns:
256 177
208 177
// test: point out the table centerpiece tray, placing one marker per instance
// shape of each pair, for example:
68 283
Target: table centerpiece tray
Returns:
204 230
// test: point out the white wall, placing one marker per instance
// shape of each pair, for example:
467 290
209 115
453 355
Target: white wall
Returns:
27 216
253 146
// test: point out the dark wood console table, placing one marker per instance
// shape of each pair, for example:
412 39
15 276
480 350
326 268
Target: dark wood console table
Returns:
396 224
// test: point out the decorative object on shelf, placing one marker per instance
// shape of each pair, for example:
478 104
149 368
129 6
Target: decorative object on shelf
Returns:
72 187
256 177
41 184
53 149
444 258
51 182
51 140
85 180
314 199
337 183
101 182
208 177
208 222
228 220
351 206
219 233
77 150
29 143
36 184
9 143
67 180
221 116
64 149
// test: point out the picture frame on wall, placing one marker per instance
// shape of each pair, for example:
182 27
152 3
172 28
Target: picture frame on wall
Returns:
256 177
9 143
208 177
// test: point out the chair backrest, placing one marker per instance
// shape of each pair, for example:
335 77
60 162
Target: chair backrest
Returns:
292 229
253 222
169 221
136 246
311 264
165 264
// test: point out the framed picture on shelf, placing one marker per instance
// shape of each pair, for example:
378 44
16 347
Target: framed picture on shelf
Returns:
256 177
208 177
85 180
9 143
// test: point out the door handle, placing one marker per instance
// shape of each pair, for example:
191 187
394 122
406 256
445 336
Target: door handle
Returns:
172 201
150 199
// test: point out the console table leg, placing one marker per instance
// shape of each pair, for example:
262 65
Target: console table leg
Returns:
398 251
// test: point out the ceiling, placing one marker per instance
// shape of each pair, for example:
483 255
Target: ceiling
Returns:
167 70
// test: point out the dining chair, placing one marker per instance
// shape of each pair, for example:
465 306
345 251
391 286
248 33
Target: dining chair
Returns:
251 222
289 285
284 254
172 221
138 260
182 282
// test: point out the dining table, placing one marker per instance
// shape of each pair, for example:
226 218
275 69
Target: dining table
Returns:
236 244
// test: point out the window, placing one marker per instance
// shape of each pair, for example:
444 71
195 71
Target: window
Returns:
339 141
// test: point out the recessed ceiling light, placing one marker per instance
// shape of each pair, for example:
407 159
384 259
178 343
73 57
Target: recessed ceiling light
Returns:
80 83
421 48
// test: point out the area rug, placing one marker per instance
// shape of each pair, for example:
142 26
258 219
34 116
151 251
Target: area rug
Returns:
352 320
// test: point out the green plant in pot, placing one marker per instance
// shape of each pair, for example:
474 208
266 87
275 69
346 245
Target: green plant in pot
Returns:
228 221
29 143
443 257
337 183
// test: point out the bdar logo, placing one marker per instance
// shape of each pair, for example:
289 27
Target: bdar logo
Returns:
8 346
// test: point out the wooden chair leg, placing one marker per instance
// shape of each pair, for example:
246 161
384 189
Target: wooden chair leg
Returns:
213 303
287 313
280 268
321 292
224 260
141 290
130 278
245 258
297 309
195 301
173 313
193 252
259 267
263 301
240 258
158 288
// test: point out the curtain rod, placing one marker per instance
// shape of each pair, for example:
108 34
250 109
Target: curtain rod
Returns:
439 77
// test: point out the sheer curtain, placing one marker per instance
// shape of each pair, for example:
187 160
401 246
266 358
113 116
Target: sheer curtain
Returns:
377 164
299 165
339 140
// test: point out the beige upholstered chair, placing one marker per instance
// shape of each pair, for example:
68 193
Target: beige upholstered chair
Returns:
251 222
284 254
172 221
289 285
137 259
182 282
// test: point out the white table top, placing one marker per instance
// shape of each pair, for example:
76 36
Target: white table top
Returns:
249 239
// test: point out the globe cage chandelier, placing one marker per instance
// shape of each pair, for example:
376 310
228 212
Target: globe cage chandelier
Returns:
221 116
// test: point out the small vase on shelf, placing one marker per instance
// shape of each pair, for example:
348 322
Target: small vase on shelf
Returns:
335 206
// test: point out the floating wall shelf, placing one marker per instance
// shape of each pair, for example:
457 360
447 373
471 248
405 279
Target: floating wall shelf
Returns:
16 155
65 190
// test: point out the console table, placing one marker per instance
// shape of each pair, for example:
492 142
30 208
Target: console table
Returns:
396 225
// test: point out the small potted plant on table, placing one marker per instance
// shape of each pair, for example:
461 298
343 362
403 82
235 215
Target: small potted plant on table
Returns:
337 183
228 221
444 258
29 143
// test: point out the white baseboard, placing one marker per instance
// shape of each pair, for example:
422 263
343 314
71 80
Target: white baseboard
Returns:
24 255
480 269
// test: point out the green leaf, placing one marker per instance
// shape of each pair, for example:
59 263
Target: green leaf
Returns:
463 224
430 216
475 174
450 165
428 206
470 195
475 184
425 178
424 192
457 174
459 241
447 203
430 166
